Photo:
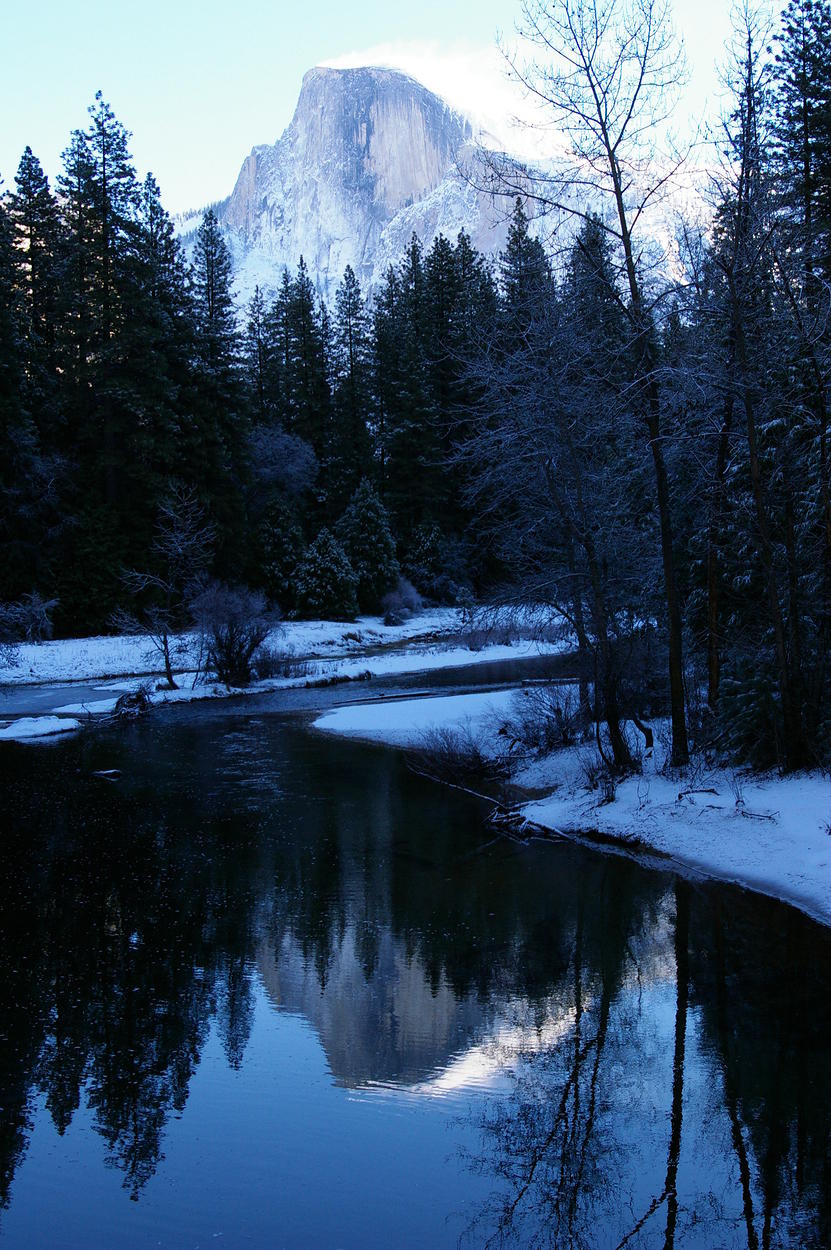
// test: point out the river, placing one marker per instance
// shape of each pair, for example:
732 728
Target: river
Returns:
272 989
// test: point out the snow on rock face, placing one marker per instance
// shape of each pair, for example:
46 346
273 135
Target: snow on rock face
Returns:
369 158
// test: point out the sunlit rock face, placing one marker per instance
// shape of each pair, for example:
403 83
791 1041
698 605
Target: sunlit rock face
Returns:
370 158
388 1023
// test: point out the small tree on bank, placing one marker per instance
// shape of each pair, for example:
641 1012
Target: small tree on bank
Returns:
364 530
326 582
182 551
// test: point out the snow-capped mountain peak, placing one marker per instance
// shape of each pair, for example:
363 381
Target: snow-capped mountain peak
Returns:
369 157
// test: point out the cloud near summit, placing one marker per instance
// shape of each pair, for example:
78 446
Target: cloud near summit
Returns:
474 80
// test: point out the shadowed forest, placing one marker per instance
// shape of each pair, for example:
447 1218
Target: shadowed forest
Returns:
633 435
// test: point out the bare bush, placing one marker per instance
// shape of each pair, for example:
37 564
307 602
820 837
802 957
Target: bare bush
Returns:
27 620
596 776
400 604
545 718
233 624
454 753
269 663
9 656
502 626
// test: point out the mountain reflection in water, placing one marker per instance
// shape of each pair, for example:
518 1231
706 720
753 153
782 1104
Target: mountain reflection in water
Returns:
623 1058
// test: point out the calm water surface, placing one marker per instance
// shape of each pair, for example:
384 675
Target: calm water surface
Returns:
270 989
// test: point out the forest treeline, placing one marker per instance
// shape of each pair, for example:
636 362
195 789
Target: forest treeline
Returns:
129 377
646 454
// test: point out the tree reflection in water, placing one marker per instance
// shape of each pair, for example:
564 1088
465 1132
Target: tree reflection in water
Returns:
741 1113
685 1099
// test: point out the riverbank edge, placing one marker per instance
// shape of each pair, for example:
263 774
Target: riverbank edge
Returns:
579 816
319 653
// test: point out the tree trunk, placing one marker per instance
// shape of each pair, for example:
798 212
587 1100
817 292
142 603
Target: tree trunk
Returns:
713 570
583 645
791 747
644 363
168 668
680 744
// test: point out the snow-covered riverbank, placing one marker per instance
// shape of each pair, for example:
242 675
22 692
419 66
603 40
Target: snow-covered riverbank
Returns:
125 655
768 833
310 652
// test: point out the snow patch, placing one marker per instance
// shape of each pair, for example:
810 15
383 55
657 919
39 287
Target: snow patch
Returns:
403 722
29 727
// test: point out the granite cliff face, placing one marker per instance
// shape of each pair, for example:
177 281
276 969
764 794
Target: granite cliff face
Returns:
370 157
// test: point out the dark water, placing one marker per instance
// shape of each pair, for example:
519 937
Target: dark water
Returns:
272 990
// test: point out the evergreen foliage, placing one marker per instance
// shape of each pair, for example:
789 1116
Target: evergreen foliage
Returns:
566 427
365 534
326 582
349 445
279 552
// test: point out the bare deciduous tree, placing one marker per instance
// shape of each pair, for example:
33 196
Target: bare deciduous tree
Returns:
181 551
606 76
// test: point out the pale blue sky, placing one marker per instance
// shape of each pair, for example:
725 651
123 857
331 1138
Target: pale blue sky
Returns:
199 84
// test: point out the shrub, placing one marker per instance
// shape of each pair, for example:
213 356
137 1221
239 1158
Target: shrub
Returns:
400 603
234 624
545 718
28 620
268 663
326 582
455 754
596 776
365 534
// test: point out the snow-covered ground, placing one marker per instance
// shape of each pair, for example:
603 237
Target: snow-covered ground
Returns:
26 727
88 659
315 652
769 833
404 722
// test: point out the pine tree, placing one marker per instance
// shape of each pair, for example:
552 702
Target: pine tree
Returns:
154 346
217 433
764 555
256 357
326 582
803 127
459 306
364 531
348 450
524 273
279 543
98 200
18 445
77 328
306 384
278 336
212 275
403 388
114 201
594 300
33 212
